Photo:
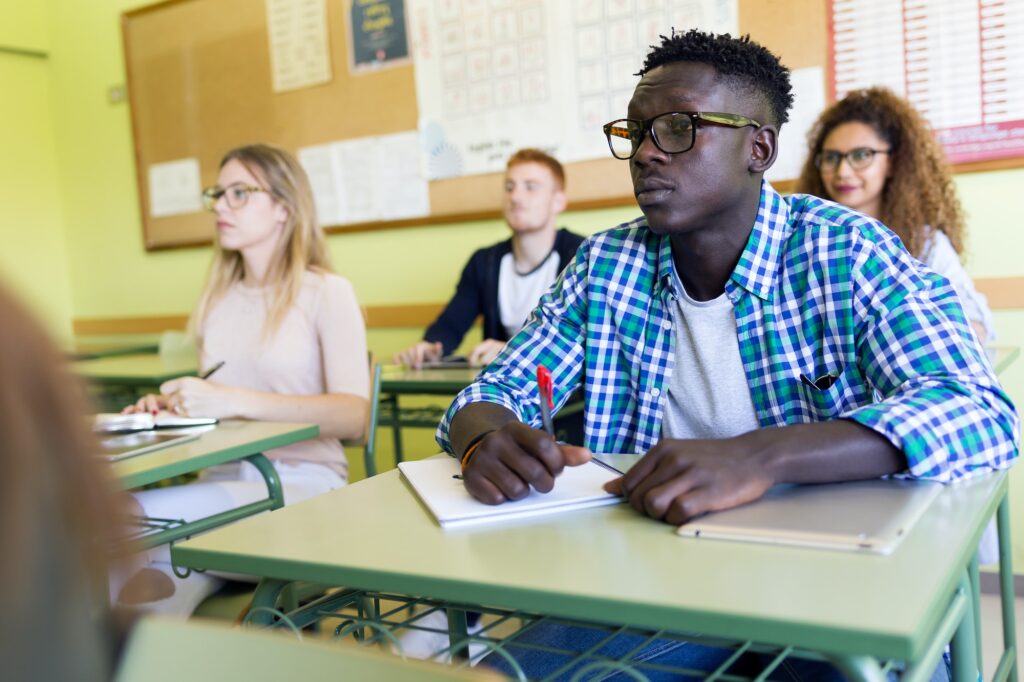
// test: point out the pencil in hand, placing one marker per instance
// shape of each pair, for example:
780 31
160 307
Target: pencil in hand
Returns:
209 373
545 388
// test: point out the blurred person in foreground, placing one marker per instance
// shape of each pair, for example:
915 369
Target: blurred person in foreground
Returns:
56 508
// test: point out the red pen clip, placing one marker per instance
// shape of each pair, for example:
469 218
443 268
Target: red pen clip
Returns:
544 385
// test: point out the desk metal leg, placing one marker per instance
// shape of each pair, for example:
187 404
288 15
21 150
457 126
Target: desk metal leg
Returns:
458 631
177 530
264 600
963 649
1007 668
863 668
972 573
274 490
396 425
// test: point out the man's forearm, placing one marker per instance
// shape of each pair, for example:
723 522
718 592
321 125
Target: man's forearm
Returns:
475 419
824 452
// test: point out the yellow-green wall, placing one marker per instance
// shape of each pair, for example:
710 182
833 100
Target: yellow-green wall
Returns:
24 25
33 254
111 274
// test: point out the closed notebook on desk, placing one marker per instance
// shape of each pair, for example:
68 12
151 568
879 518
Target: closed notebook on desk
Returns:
435 483
858 516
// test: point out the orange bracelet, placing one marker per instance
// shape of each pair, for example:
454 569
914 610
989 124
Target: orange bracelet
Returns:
471 449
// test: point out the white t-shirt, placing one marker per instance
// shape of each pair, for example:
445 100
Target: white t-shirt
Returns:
940 256
708 396
518 293
319 348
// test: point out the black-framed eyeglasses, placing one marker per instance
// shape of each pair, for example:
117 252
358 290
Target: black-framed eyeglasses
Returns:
236 194
859 158
673 132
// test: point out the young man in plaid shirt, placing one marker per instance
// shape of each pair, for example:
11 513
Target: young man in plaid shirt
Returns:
732 338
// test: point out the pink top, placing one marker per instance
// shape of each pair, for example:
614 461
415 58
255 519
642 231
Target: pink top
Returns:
319 348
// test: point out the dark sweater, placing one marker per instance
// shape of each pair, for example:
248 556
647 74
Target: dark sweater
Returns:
477 293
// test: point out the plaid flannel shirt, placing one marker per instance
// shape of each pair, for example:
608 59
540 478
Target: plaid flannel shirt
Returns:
819 289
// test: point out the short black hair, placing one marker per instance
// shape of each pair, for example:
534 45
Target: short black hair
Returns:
740 60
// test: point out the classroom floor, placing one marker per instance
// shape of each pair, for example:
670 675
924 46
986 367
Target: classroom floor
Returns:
992 631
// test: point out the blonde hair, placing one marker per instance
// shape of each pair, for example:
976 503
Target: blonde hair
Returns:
919 192
302 247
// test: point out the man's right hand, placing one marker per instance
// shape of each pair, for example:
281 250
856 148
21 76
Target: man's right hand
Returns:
514 458
415 356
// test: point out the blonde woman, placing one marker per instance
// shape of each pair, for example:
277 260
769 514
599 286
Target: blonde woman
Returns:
291 336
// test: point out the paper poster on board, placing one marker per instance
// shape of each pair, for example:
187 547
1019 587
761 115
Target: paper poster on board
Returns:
300 51
174 188
367 179
493 76
377 34
958 63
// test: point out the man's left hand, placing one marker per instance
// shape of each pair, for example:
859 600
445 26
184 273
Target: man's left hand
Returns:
680 479
485 352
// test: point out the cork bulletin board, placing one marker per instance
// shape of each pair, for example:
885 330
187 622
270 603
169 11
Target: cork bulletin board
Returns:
199 83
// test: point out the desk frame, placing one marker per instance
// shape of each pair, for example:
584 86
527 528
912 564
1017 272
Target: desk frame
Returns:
166 463
395 382
926 592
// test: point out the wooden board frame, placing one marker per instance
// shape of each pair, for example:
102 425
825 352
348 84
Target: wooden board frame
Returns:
215 55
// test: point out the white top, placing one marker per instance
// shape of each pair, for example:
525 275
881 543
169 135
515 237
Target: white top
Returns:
708 396
940 256
518 293
319 348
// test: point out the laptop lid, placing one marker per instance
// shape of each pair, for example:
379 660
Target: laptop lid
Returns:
131 444
857 516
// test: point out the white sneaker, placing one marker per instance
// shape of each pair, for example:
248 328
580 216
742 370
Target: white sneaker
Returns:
427 637
431 640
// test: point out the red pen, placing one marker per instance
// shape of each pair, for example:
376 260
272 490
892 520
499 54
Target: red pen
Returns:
547 403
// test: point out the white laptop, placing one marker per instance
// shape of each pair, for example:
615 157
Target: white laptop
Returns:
115 448
858 516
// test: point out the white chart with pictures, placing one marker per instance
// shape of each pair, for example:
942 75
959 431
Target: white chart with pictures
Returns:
496 75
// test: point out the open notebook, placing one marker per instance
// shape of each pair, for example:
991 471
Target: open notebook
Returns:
437 483
143 421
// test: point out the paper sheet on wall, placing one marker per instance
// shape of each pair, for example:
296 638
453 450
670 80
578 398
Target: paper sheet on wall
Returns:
808 103
494 77
174 188
367 179
299 49
959 62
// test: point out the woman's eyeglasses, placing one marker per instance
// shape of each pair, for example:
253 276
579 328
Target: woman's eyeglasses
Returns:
236 194
859 158
673 132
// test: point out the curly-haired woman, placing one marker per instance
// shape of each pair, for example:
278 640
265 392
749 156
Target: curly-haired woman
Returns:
872 151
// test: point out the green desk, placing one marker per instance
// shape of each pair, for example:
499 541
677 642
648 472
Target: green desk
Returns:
165 650
119 380
612 565
90 350
231 440
135 370
397 380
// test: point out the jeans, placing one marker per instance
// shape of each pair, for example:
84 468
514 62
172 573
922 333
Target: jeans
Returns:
643 655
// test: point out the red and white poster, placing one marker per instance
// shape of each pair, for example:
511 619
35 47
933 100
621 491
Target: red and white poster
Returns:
960 62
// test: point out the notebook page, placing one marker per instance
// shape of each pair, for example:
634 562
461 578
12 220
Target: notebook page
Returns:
435 482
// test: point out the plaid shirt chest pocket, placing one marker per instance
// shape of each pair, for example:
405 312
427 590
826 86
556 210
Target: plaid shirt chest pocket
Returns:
829 390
